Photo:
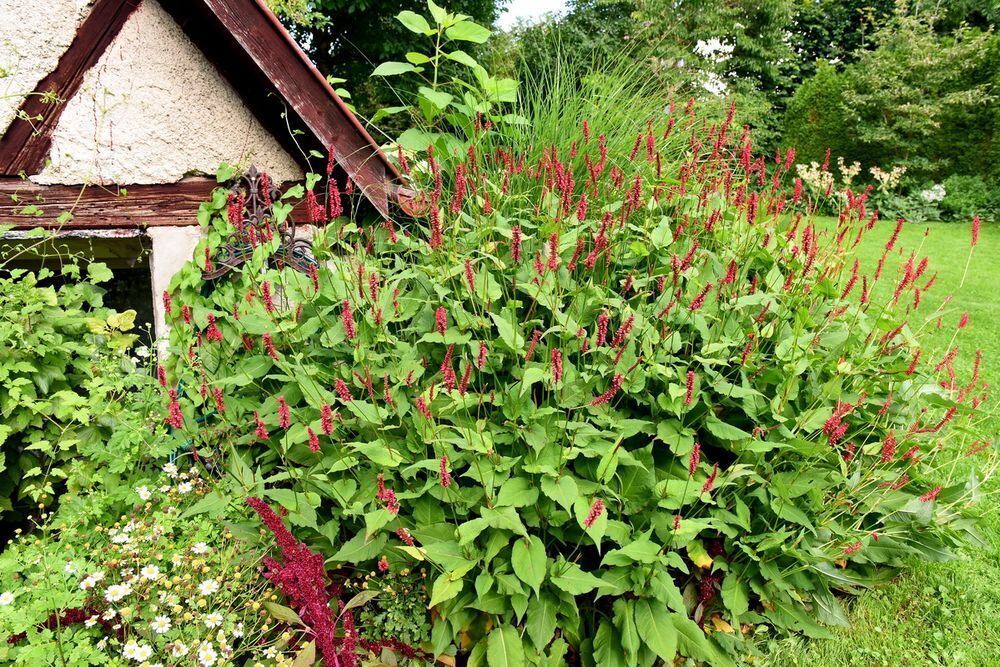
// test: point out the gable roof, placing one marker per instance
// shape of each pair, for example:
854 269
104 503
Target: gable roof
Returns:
250 48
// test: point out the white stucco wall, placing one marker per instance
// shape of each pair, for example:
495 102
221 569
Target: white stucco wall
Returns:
154 109
31 41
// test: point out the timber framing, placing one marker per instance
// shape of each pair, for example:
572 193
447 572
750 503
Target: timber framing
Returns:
248 45
26 205
28 138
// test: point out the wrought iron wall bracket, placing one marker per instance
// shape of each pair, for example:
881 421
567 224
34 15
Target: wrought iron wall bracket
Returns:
255 223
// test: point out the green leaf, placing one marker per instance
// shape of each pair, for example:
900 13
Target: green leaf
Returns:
439 99
306 657
468 31
571 578
608 651
359 548
446 586
541 620
652 620
693 643
415 22
512 339
392 68
528 559
735 595
724 431
460 56
282 613
503 648
563 490
624 620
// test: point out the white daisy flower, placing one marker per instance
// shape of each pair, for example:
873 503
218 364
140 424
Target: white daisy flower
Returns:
143 652
206 655
170 469
130 649
88 583
144 493
70 568
6 599
160 625
109 614
213 620
208 587
238 630
91 622
117 591
184 487
178 650
200 548
101 644
150 573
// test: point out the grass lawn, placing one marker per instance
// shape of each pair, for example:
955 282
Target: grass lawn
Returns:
937 613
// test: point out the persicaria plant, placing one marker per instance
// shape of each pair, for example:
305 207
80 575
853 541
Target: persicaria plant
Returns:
622 403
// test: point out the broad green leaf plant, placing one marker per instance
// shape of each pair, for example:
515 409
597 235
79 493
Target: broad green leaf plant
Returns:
453 91
619 403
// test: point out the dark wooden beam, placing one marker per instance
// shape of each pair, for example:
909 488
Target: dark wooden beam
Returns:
27 205
252 50
27 141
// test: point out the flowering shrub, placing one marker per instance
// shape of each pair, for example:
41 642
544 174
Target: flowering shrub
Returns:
614 401
159 586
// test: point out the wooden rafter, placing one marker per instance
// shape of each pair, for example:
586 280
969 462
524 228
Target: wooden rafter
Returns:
26 205
249 46
27 141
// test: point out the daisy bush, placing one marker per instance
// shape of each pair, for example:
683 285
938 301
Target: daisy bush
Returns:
617 398
165 584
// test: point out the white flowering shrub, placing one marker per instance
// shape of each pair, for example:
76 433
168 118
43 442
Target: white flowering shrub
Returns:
167 584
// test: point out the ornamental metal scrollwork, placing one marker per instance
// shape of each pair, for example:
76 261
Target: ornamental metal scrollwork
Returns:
251 212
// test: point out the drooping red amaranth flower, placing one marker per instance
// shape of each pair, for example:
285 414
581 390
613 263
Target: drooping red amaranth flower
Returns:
596 510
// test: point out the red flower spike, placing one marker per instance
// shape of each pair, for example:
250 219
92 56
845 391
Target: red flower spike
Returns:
261 431
596 510
694 459
445 476
284 413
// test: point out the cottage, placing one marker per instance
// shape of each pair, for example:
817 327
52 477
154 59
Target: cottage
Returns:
120 112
